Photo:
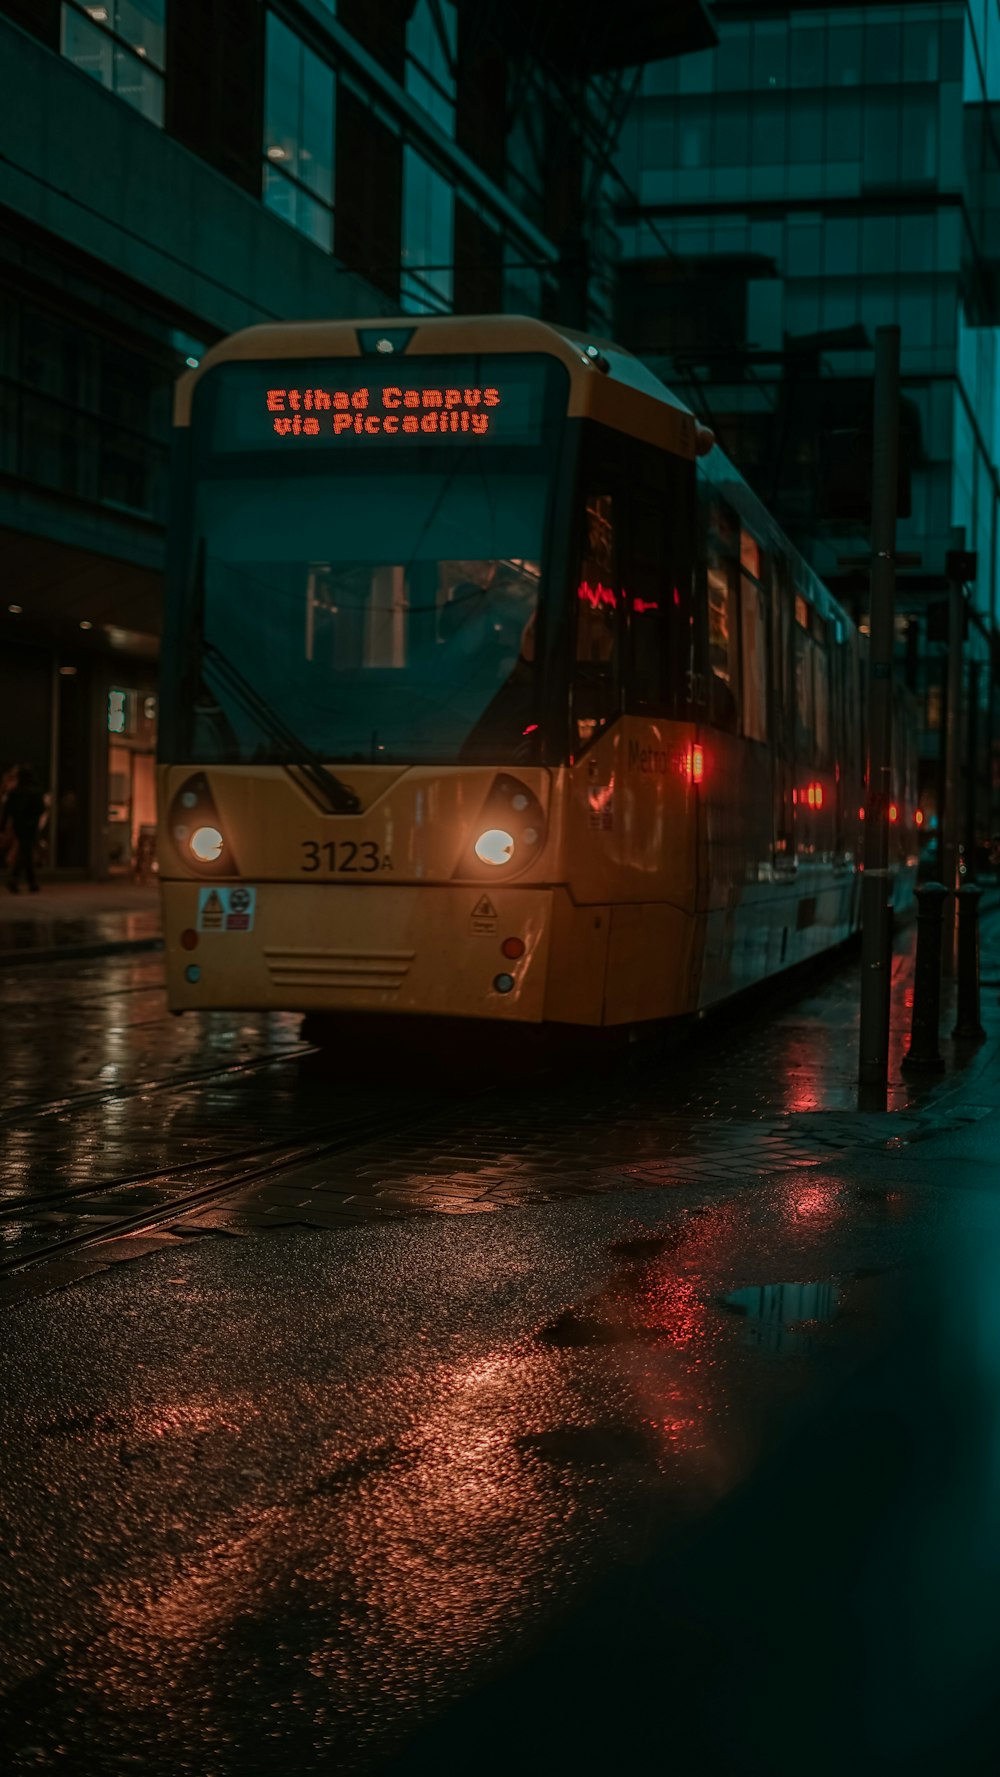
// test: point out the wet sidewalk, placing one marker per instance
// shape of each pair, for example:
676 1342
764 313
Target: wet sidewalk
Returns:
77 919
690 1444
654 1407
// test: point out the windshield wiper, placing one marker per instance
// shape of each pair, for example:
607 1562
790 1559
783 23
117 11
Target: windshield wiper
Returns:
337 796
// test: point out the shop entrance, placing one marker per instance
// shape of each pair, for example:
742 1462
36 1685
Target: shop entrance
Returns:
131 807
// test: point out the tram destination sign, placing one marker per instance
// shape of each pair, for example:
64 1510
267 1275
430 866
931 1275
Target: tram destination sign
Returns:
292 406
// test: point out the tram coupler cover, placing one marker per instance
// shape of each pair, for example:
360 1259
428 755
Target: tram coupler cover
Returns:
923 1054
967 1026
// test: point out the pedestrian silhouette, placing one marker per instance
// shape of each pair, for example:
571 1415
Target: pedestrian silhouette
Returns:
23 812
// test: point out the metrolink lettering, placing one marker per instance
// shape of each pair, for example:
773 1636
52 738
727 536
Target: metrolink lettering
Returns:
390 410
649 759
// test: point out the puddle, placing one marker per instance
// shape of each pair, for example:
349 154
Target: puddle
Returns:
779 1315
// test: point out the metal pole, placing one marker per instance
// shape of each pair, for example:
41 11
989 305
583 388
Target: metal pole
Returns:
950 814
876 888
972 772
923 1054
967 1025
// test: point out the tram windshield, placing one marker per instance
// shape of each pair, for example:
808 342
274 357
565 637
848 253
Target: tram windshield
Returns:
374 594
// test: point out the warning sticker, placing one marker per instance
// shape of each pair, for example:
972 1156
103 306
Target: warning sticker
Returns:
484 915
227 909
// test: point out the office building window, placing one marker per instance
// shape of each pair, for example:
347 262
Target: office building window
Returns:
298 135
121 43
431 38
428 238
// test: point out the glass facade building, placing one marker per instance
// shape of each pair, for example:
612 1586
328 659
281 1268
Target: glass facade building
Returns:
823 172
179 169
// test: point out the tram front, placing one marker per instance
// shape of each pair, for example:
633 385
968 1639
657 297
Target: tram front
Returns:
363 708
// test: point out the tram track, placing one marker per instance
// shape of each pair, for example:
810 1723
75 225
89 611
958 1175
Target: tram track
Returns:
272 1159
39 1109
312 1142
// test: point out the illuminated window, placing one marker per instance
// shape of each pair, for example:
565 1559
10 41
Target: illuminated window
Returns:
122 707
428 237
120 43
298 135
723 647
749 554
431 37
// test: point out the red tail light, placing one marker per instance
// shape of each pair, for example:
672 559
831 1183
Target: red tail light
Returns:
694 761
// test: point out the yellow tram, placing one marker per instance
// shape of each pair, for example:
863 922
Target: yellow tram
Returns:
490 691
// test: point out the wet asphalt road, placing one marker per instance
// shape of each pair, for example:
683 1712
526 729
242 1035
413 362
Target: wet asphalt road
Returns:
704 1463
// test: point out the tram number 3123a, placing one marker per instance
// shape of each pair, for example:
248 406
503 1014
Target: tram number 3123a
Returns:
343 856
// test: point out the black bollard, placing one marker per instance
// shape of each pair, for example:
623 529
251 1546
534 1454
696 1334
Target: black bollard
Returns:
923 1055
967 1025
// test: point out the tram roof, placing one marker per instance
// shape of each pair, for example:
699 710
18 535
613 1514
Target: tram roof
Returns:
615 388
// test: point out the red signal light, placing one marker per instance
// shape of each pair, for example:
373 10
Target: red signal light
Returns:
893 812
512 947
919 817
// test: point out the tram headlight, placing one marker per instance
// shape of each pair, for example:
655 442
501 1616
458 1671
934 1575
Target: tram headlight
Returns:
206 843
509 832
196 829
494 846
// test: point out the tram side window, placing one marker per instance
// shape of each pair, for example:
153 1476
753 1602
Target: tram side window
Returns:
646 589
781 638
753 614
723 655
596 693
656 578
722 587
821 690
804 700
